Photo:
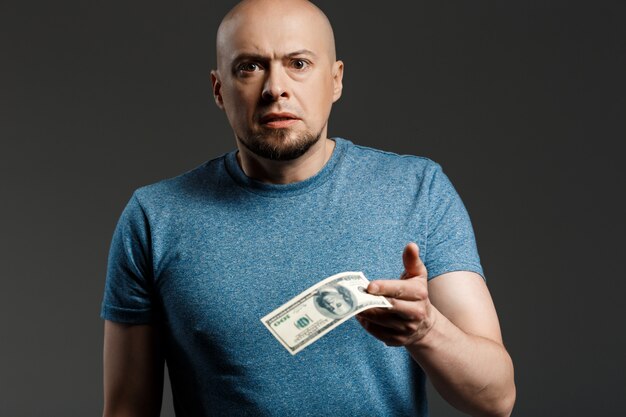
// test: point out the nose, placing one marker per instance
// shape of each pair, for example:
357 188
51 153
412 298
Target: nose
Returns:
275 86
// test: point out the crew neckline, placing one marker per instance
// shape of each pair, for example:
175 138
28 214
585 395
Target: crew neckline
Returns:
291 189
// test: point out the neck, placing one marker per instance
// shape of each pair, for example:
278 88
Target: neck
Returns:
285 172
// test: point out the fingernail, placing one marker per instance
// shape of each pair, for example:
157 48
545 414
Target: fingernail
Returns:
373 288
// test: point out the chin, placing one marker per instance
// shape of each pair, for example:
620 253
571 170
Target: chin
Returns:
280 144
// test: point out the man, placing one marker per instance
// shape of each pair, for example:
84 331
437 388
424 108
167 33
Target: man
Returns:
197 260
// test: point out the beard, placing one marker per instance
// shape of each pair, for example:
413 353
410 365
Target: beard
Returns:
278 145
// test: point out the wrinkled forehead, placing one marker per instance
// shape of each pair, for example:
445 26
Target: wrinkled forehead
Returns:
273 34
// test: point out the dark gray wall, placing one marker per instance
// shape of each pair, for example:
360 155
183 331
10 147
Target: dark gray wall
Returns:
523 103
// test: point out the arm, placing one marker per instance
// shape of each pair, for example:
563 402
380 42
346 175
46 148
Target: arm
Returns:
450 327
463 353
133 371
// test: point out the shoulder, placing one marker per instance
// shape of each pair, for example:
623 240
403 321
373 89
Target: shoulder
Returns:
179 190
391 165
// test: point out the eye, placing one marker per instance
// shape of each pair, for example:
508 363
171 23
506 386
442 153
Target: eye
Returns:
300 64
248 67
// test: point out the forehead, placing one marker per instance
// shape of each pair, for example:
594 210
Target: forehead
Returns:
332 295
271 34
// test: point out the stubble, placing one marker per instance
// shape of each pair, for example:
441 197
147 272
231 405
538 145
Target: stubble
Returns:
278 145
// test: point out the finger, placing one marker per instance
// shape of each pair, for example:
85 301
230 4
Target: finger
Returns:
387 336
413 265
407 311
407 289
393 322
381 315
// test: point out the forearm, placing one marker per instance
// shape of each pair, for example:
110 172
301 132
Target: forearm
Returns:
473 373
133 371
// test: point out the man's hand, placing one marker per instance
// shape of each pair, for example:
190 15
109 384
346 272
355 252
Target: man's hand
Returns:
412 315
456 339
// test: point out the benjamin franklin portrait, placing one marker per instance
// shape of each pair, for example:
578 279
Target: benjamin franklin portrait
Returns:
334 301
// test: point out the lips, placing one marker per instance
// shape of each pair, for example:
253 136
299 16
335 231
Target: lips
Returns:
278 117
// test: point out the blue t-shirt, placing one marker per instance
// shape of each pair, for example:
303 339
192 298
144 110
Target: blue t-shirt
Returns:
205 255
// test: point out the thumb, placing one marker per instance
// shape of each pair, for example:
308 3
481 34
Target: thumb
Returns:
413 265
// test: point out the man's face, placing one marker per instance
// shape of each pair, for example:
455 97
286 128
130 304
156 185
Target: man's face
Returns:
336 304
276 81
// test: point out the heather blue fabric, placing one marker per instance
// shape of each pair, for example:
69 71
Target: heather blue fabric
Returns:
206 254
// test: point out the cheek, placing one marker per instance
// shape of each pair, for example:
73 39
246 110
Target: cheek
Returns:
239 105
241 94
325 93
236 100
317 103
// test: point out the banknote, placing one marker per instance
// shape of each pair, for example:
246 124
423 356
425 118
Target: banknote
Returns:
316 311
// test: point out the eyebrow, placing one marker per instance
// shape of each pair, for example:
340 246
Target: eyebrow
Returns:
259 57
302 52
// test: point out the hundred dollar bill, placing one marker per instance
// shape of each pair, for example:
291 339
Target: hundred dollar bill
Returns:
316 311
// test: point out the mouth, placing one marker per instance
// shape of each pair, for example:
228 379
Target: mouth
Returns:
279 120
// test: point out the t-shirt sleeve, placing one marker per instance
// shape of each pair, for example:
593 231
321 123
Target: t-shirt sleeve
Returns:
128 289
451 244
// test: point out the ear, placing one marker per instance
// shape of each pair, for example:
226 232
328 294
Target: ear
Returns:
337 80
217 89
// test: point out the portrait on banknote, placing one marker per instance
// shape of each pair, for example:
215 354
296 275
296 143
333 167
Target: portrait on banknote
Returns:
334 301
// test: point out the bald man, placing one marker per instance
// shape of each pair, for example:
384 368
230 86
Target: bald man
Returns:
197 260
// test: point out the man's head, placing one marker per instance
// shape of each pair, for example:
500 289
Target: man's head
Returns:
277 76
334 299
